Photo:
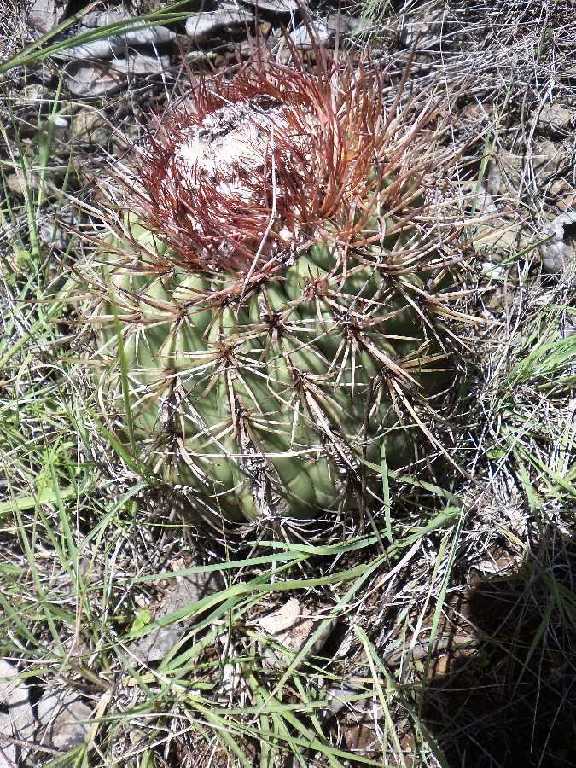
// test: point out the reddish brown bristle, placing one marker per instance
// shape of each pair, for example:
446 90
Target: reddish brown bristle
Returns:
322 163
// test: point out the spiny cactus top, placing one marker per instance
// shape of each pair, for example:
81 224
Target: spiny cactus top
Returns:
270 311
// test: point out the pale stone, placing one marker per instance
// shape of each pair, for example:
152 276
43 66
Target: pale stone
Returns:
18 722
88 125
139 64
64 719
146 35
203 26
316 33
186 590
90 80
281 8
559 253
97 49
44 15
104 18
557 117
291 625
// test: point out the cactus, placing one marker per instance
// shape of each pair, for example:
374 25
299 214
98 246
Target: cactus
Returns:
270 313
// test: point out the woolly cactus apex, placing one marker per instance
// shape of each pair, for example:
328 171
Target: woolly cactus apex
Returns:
248 169
271 315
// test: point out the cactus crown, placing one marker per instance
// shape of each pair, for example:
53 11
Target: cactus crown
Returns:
249 170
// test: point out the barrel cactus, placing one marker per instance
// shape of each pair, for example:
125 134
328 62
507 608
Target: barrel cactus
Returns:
270 314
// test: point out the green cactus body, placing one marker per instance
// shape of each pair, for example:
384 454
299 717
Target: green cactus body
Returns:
266 370
269 402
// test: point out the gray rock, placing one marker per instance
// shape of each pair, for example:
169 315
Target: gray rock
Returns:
88 125
188 589
140 32
557 118
58 121
140 64
8 754
91 80
18 721
20 184
291 625
12 691
43 15
104 18
115 45
547 158
97 49
426 32
278 8
146 35
342 24
223 22
316 33
64 720
559 253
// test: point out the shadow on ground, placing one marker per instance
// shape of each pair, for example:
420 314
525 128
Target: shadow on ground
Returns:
513 703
